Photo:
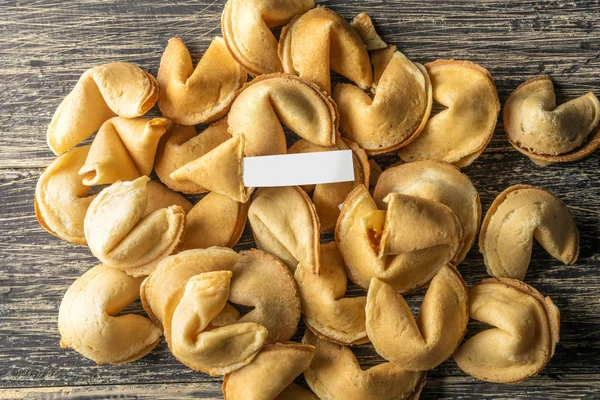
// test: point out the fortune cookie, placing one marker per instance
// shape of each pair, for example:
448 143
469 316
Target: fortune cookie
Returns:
121 235
191 96
267 102
123 149
517 216
328 196
270 373
160 196
263 282
326 311
335 374
215 220
459 133
319 41
545 132
181 145
188 293
423 344
363 25
404 246
526 329
102 92
60 196
437 181
285 223
246 28
88 323
221 170
397 112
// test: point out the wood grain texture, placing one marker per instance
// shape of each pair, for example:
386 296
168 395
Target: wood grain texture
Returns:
46 45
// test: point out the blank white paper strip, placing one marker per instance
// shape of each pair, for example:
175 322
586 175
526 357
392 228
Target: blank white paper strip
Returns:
299 169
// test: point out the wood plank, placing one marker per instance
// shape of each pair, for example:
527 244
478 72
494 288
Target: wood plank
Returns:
573 387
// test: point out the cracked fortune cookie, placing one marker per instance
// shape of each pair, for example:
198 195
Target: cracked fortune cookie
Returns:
328 196
404 246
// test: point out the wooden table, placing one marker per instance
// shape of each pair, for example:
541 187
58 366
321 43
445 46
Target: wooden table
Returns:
46 45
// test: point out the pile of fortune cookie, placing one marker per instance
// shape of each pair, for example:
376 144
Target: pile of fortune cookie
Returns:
396 231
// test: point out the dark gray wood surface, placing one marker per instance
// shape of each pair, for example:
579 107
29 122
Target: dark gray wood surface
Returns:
46 44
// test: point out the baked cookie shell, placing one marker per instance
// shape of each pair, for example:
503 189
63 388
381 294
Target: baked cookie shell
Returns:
460 133
439 181
518 215
553 145
522 344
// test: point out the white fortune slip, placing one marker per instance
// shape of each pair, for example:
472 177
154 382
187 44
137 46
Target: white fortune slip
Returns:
299 169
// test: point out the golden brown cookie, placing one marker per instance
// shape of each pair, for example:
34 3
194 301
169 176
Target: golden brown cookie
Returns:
88 321
246 27
61 199
122 236
319 41
437 181
517 216
525 331
267 102
188 293
326 311
404 246
335 374
460 133
285 223
545 132
181 145
191 96
424 343
271 372
102 92
122 150
215 220
397 112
